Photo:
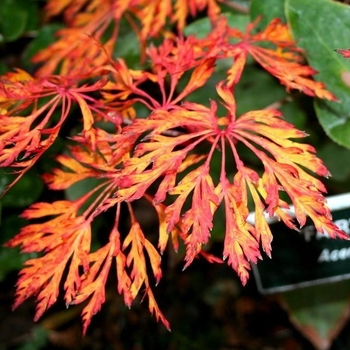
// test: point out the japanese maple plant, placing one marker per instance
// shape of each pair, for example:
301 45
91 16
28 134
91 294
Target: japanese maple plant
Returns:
156 144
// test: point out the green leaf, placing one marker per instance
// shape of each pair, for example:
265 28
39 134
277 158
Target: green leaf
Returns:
24 192
268 10
38 340
202 27
199 28
3 68
80 188
10 258
13 22
293 114
18 17
45 37
128 47
257 89
336 159
33 13
320 27
335 122
319 312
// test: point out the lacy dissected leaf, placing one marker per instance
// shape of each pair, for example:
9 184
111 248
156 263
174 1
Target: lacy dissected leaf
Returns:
170 61
94 279
240 245
28 126
184 8
164 233
122 84
80 47
280 56
285 171
136 243
69 8
65 241
273 48
83 162
199 218
153 16
267 135
75 50
161 152
61 179
16 82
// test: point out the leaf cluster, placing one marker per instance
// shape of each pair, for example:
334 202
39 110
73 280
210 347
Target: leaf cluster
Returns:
144 131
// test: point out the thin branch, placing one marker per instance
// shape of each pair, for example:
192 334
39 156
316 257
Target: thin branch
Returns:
238 7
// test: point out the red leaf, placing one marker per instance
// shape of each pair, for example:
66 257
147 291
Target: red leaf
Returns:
345 53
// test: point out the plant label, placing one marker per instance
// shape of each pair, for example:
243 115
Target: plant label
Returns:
308 257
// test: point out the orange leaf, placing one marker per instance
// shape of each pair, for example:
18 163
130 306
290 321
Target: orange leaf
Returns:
199 77
62 179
